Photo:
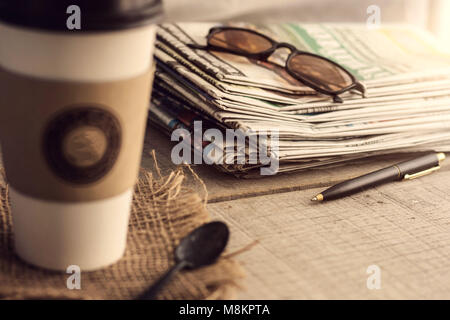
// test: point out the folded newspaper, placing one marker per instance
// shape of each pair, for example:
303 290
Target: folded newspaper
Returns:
407 108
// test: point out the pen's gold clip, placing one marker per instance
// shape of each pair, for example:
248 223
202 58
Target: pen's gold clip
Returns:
421 173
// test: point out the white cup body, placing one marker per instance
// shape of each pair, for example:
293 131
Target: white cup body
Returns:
91 234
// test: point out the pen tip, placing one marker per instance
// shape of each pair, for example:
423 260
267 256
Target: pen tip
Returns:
319 197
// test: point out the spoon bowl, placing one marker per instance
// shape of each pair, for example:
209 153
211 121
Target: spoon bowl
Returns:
199 248
203 245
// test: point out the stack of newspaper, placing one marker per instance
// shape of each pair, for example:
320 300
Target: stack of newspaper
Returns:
407 108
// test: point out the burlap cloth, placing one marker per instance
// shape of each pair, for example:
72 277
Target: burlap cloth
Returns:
163 212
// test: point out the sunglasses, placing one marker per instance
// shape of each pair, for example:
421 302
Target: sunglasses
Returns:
321 74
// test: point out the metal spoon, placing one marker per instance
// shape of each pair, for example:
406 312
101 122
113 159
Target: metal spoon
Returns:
199 248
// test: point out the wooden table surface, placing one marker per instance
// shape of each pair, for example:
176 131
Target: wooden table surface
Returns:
306 250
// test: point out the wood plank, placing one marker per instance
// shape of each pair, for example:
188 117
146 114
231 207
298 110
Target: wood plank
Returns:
222 187
310 251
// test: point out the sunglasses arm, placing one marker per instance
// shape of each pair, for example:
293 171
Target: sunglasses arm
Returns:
337 99
360 88
196 46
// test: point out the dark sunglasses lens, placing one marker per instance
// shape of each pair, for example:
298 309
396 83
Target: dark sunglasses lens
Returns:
240 41
320 72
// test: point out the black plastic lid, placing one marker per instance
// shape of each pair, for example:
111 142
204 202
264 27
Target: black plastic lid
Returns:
96 15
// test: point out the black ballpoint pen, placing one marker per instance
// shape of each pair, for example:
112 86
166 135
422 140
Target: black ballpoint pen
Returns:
406 170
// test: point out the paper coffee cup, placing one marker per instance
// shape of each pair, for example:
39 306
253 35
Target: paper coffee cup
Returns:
73 107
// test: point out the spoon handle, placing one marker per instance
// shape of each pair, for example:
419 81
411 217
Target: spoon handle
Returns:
152 292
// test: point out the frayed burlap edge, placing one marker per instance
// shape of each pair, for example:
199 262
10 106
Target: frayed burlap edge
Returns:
163 212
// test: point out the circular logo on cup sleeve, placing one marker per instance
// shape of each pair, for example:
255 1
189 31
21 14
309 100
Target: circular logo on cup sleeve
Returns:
82 144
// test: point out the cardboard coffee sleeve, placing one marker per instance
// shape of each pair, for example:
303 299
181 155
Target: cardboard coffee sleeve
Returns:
72 141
